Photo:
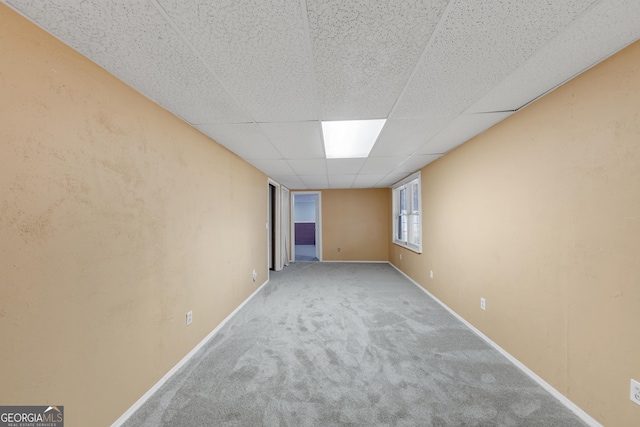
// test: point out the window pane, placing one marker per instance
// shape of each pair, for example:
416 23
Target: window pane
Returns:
402 231
416 202
403 201
405 228
415 230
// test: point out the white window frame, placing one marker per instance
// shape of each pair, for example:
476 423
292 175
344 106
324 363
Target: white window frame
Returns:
412 238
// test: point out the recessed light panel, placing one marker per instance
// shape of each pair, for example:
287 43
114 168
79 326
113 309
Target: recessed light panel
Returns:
350 138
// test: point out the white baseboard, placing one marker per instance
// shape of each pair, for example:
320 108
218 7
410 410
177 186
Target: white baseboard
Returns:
555 393
355 261
124 417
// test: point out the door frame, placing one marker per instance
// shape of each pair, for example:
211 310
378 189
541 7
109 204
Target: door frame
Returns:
286 219
273 227
318 224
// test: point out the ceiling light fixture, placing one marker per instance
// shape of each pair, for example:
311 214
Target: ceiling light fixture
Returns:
350 138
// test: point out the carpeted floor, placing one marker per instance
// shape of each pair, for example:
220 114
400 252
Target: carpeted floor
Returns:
348 345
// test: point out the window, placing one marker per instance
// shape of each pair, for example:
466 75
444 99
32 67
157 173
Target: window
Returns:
407 218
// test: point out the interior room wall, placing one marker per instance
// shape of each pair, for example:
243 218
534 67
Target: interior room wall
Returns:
304 209
358 222
540 215
116 219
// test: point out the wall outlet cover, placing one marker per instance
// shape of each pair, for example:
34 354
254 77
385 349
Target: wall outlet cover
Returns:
483 304
635 392
189 318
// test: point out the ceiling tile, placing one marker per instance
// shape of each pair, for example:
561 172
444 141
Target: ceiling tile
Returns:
292 182
341 181
605 28
477 45
403 137
309 166
367 181
344 166
273 167
391 179
315 181
258 50
461 130
296 140
415 163
133 41
375 165
364 52
246 140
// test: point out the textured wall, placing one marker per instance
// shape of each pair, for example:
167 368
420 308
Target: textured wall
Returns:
358 222
540 215
116 218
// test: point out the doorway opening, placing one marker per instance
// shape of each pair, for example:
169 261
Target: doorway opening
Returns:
272 226
306 228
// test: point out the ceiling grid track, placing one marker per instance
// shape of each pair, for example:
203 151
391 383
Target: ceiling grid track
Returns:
260 78
423 55
173 25
525 63
305 22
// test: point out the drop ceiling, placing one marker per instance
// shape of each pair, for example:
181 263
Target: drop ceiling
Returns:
258 77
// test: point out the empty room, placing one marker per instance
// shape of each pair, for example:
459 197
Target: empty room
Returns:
320 212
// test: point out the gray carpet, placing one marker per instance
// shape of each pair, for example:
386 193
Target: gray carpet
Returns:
348 345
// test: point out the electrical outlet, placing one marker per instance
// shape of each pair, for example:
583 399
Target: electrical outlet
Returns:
189 318
255 275
400 256
431 273
635 392
483 303
338 249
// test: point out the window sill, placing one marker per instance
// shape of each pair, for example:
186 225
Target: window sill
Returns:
412 248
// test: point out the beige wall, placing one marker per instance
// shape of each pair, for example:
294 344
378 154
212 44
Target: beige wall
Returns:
116 218
357 221
541 216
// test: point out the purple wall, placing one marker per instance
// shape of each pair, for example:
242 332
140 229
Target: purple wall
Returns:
305 233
